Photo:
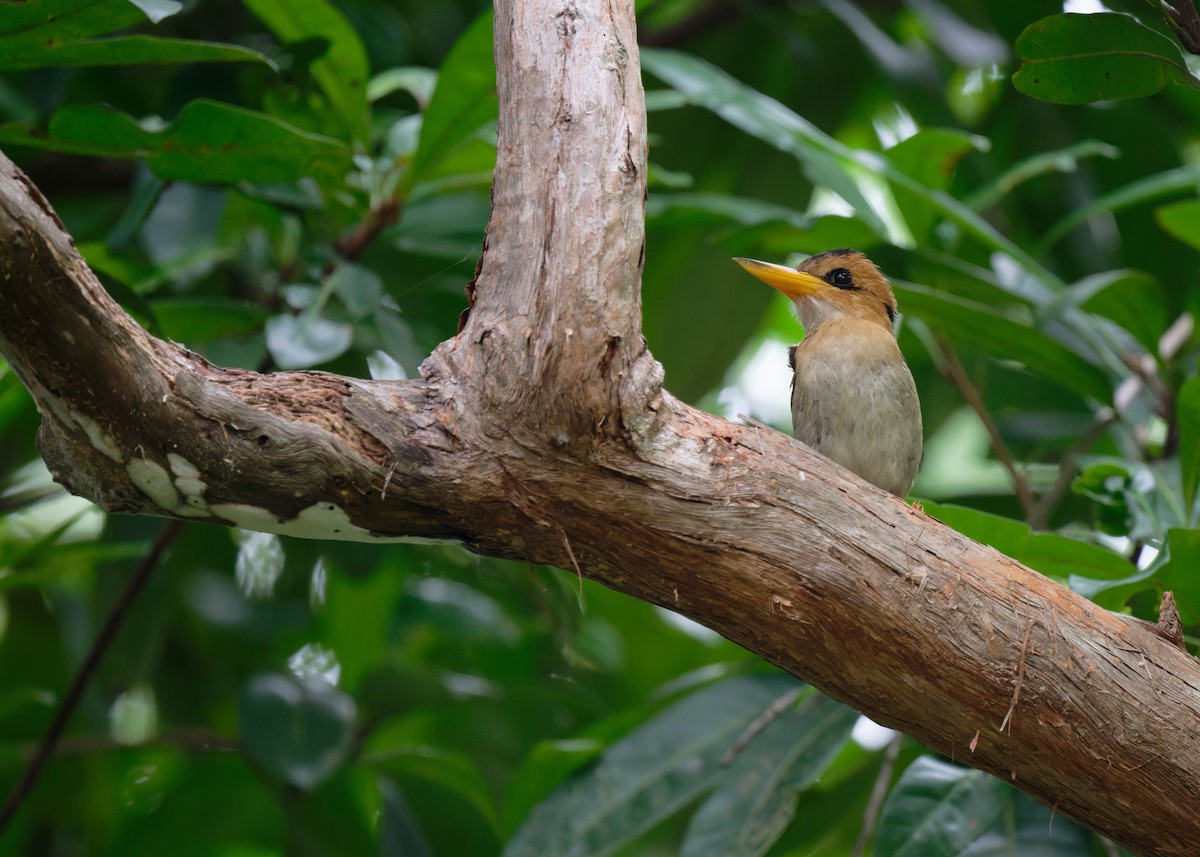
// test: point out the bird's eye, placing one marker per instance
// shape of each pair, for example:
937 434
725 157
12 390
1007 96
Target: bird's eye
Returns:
840 278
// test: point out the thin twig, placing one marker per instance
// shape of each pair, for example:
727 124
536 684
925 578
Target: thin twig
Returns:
760 723
112 624
1039 518
578 571
1185 22
354 243
878 793
1012 707
952 369
758 423
189 740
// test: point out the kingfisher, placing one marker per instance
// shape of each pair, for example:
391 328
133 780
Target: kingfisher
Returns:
853 396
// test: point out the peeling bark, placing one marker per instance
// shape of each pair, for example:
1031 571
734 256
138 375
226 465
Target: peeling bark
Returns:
542 432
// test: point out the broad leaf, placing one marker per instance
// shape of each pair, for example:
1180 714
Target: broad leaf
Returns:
430 765
937 809
1049 553
358 288
1182 179
547 765
400 834
648 775
1030 829
757 796
930 157
127 50
767 119
37 25
689 209
208 142
1178 573
192 320
342 71
300 730
826 161
1064 160
1181 220
463 102
1132 299
1077 59
417 81
1187 413
996 332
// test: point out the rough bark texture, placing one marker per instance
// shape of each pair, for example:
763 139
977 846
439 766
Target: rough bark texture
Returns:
542 432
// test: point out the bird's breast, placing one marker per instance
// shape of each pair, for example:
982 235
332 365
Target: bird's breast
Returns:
854 401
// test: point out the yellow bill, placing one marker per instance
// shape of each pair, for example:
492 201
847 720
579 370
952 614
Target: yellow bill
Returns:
791 282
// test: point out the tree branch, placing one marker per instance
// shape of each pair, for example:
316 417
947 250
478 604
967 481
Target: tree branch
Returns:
546 416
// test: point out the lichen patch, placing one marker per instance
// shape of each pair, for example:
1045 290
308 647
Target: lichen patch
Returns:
100 439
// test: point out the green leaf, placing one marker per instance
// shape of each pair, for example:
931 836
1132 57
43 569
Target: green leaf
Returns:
445 790
37 25
1153 187
1187 414
937 809
342 71
1064 160
433 765
1178 573
763 117
358 288
58 33
463 102
399 833
208 142
1108 485
1181 220
756 798
1030 829
417 81
1077 59
1132 299
129 50
204 319
648 775
689 209
300 730
45 564
929 157
547 765
826 161
828 230
357 616
1150 492
1049 553
995 332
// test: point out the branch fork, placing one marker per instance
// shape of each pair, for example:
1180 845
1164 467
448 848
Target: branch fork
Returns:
541 432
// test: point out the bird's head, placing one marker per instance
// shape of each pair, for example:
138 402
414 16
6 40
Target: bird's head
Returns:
833 284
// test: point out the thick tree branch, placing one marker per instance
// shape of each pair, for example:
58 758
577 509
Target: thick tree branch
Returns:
546 416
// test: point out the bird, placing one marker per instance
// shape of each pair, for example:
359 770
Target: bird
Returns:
853 397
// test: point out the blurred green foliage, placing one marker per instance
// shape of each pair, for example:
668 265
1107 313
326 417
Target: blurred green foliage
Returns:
302 184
